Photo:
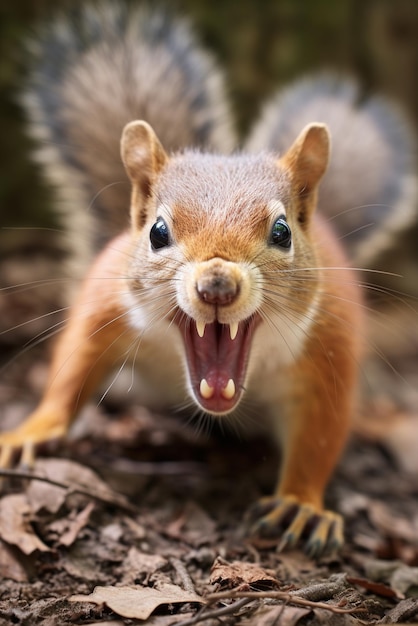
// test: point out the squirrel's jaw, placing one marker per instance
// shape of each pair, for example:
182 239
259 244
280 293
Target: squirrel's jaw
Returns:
217 358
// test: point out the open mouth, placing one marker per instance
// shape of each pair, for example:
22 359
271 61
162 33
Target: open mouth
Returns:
217 357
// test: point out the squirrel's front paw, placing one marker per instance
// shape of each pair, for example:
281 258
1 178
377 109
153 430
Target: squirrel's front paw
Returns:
20 444
295 523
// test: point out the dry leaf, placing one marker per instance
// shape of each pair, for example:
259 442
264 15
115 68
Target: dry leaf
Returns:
193 525
238 573
80 564
137 602
379 569
68 529
136 528
113 532
15 526
10 566
293 565
42 495
390 524
143 563
139 567
379 589
404 578
401 577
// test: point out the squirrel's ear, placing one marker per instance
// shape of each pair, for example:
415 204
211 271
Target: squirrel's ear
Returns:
143 157
306 161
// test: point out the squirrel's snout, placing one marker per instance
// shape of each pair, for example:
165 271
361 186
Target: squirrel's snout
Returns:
218 282
220 290
215 289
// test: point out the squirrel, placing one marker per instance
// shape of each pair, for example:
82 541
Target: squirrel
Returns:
229 289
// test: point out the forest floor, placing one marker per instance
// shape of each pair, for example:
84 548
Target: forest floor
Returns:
147 527
138 519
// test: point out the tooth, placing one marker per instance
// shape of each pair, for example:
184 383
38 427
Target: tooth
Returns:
228 392
206 391
233 330
200 327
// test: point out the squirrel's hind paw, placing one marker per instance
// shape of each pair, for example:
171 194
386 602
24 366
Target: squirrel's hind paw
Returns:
295 523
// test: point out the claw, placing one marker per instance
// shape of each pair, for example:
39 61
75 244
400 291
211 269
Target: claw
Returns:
296 522
6 455
336 536
27 459
319 537
292 535
270 513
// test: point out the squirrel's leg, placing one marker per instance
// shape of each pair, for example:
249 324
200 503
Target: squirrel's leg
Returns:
312 435
96 334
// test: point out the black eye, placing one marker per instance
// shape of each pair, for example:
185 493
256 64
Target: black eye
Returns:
159 234
281 234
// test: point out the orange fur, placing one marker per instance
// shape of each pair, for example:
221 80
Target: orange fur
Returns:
323 383
93 340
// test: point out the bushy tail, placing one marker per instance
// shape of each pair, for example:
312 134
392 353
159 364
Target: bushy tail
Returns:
370 188
98 68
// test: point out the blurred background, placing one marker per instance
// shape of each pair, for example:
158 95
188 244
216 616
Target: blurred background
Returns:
262 45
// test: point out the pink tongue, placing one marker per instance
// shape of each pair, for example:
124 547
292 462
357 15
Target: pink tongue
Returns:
218 380
217 363
216 356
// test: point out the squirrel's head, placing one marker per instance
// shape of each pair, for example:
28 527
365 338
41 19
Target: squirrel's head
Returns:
219 241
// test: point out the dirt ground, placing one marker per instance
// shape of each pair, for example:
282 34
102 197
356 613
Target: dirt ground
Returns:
139 519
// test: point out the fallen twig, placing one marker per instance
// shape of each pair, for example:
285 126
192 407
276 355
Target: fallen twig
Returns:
205 614
183 574
324 590
280 595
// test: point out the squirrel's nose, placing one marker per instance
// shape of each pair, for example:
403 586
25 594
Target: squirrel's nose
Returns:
217 289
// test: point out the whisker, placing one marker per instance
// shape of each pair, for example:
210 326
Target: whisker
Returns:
116 376
22 287
340 320
29 346
98 194
355 230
